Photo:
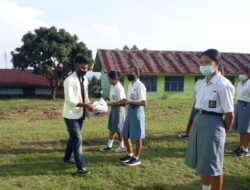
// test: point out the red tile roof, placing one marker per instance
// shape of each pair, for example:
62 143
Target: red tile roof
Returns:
162 62
17 78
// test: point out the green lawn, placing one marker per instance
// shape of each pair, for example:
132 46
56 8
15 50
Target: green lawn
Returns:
33 137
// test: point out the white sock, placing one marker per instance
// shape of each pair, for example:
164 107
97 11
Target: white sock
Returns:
110 143
245 149
242 147
121 144
130 154
136 157
206 187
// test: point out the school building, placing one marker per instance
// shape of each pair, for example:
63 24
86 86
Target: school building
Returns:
164 73
17 83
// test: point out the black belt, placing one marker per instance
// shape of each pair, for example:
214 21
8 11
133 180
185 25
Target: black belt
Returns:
210 113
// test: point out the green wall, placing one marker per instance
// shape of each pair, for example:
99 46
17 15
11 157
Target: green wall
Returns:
188 88
189 82
105 84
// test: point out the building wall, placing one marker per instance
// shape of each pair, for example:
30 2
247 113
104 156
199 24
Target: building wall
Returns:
189 81
11 91
160 93
105 84
43 91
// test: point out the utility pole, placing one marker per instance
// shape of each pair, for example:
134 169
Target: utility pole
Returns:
5 59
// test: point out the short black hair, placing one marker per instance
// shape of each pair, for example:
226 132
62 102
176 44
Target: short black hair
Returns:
114 75
81 59
136 68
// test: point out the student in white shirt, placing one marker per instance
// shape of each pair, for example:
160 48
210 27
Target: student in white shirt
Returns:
242 113
214 100
76 101
117 114
134 127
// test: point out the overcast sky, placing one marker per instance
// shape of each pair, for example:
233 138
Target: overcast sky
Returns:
193 25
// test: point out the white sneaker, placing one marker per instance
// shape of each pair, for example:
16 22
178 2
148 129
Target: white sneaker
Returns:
120 149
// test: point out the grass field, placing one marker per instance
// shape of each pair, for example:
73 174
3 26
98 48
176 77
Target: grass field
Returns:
33 138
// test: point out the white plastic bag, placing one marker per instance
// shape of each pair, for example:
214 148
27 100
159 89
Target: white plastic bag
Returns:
100 107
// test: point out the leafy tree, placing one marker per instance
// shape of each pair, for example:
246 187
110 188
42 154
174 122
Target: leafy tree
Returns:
95 87
125 47
51 53
135 48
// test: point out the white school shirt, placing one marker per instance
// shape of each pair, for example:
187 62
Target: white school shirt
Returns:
136 91
243 91
73 96
216 96
117 92
197 86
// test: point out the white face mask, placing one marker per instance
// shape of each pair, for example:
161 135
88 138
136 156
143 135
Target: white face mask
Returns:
243 77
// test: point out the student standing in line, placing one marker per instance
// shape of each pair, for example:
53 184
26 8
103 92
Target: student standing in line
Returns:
214 100
117 114
134 127
76 101
192 113
242 113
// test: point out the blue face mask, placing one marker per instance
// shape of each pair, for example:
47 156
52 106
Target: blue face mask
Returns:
206 70
243 77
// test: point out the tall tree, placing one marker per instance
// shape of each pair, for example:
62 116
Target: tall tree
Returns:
51 53
135 48
125 47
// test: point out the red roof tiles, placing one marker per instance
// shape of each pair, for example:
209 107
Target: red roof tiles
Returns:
162 62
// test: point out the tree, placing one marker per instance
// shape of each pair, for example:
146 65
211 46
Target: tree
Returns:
95 87
134 48
51 53
125 47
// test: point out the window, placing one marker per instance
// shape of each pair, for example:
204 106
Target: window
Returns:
231 79
150 82
174 83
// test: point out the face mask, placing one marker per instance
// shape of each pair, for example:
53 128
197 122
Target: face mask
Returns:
243 77
206 70
81 73
131 77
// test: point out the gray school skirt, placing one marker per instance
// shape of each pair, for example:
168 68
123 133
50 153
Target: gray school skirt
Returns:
205 150
116 119
242 117
134 126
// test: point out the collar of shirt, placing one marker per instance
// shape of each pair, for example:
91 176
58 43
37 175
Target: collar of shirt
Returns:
215 79
134 83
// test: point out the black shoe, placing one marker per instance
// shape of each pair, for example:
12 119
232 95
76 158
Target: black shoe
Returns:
83 172
126 159
237 150
242 153
133 162
70 161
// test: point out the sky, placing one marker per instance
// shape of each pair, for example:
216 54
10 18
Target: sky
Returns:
184 25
